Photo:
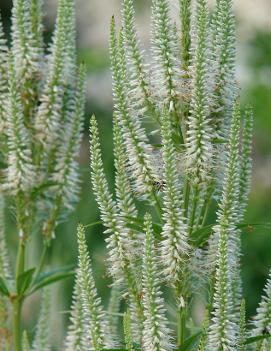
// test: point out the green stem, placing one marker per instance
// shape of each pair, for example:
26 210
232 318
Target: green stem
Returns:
181 298
205 214
179 133
41 262
211 294
17 301
207 205
16 320
204 211
185 14
158 206
181 326
186 198
194 209
20 263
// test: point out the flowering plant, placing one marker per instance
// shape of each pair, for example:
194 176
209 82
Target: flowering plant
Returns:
182 148
182 152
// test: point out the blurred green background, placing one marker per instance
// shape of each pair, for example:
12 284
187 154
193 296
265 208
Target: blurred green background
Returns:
254 74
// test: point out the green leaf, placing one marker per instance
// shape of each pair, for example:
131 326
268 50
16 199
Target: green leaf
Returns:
51 277
157 146
134 223
24 281
44 186
219 141
137 223
134 226
93 224
252 226
200 237
3 287
3 165
190 342
253 339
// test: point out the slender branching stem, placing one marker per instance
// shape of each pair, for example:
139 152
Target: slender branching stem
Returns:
185 14
17 300
194 208
41 261
16 322
181 325
205 209
186 197
206 212
157 205
20 263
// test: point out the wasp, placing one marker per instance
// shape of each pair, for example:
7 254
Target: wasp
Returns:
265 331
159 185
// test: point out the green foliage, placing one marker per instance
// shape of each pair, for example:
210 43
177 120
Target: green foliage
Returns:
47 278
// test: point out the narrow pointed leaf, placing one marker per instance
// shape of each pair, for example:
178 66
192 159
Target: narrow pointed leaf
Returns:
136 222
253 339
3 287
190 342
200 236
24 281
54 276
